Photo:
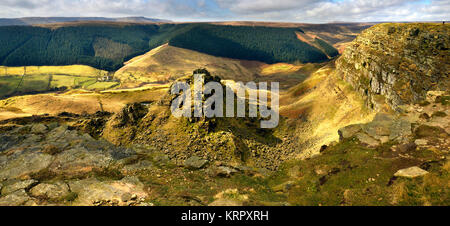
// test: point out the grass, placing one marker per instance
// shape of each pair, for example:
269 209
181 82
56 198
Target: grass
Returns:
75 70
14 85
439 114
102 85
71 197
69 81
10 85
37 79
179 186
444 100
424 103
279 68
349 174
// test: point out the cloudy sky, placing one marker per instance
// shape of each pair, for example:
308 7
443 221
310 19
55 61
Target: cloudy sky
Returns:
313 11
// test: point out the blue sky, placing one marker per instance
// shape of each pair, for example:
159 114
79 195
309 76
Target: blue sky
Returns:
309 11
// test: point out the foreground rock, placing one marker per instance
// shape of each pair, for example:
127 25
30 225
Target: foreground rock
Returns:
411 172
128 191
61 151
229 197
224 171
20 165
195 162
26 184
17 198
383 128
56 155
55 191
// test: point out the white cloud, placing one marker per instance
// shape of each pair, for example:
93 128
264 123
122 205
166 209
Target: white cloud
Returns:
271 10
263 6
110 8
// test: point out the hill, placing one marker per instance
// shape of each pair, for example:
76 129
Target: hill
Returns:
266 44
167 63
100 46
107 46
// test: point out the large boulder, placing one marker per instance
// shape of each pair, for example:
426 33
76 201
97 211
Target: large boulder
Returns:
53 191
383 128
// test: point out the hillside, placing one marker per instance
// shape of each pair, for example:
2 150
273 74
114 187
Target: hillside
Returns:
167 63
337 34
106 45
100 46
266 44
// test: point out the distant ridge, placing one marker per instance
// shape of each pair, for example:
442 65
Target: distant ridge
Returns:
48 20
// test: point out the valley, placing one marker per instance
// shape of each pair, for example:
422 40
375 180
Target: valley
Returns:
363 115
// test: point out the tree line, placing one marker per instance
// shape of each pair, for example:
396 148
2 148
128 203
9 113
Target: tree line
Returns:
28 45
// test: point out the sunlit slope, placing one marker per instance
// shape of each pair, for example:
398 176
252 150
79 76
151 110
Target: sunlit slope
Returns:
166 63
76 101
320 106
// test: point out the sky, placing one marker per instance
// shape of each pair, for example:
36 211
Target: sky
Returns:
306 11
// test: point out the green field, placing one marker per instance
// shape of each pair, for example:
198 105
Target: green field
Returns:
10 85
16 85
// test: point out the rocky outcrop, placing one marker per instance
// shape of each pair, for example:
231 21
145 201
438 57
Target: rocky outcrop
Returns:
61 151
239 141
398 63
409 129
52 163
57 164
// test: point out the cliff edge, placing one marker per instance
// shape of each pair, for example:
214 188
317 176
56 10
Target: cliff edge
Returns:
398 64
